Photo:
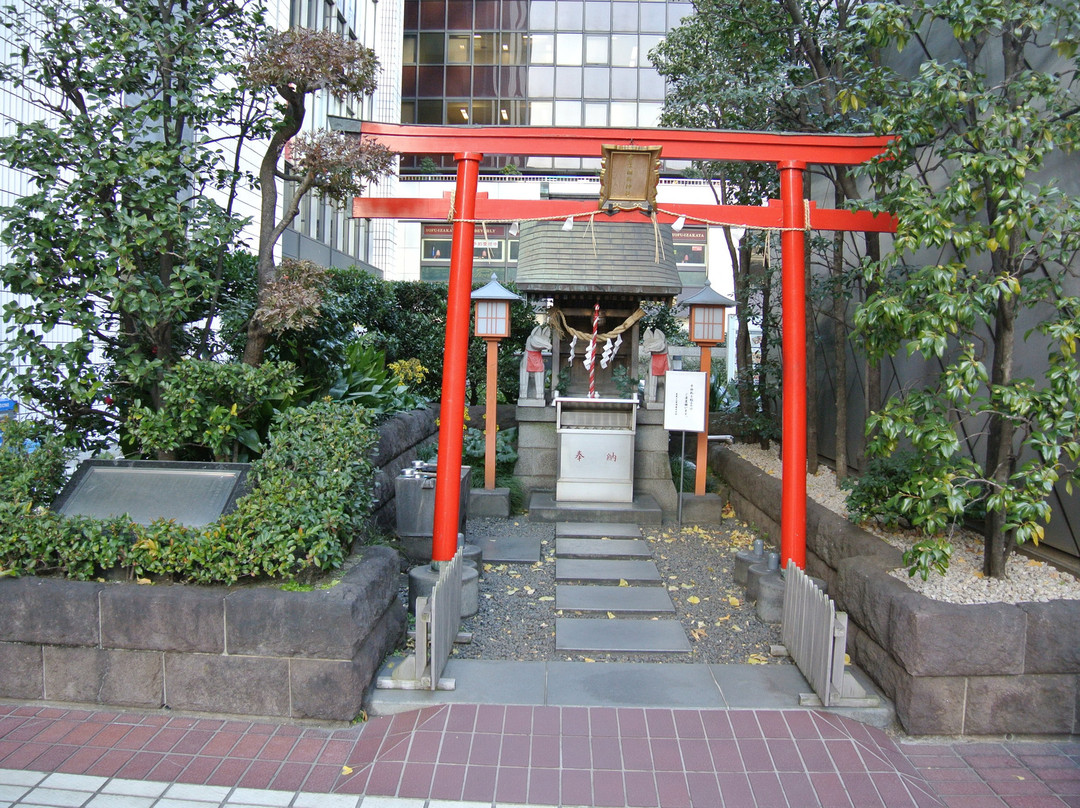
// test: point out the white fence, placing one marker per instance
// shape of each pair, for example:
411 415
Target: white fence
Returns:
438 618
815 635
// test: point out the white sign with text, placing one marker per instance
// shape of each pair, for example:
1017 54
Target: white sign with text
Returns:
685 400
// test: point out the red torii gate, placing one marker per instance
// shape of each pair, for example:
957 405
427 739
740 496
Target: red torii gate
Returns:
790 153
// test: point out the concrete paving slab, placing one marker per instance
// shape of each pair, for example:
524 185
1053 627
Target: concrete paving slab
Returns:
478 681
587 569
510 549
596 530
617 599
602 548
760 686
629 684
614 636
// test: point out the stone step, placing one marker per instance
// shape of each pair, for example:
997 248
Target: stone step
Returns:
602 548
615 599
596 530
605 570
598 635
642 511
509 549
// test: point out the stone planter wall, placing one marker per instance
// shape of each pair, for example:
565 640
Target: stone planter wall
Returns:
236 650
399 439
985 669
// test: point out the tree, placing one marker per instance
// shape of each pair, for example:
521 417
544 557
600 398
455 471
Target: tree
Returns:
295 64
765 65
986 118
120 234
727 66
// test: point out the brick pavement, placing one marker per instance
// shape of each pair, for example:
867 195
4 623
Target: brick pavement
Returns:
494 755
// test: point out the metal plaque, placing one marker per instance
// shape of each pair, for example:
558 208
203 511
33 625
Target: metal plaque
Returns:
192 494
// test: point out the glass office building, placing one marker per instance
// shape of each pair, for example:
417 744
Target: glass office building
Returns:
539 63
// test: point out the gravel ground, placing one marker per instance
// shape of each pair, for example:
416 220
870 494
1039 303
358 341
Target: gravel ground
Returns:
1026 579
516 620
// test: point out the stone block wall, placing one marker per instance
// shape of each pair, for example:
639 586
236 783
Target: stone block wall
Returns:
950 669
236 650
399 439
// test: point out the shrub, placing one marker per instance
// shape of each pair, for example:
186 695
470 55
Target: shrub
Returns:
32 461
213 411
312 492
907 488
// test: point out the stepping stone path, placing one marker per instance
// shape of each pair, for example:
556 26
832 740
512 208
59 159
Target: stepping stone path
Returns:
607 568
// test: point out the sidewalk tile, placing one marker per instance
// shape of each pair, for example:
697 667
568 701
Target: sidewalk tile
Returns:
641 789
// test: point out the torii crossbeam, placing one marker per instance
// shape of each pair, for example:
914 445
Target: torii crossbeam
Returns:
789 152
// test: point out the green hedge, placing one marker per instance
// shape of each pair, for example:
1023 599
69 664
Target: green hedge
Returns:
312 493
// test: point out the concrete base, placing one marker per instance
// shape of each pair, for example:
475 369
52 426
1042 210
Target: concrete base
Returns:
489 503
473 554
753 579
422 581
770 598
744 559
702 510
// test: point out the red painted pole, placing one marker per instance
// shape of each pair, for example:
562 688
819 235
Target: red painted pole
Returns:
455 363
793 301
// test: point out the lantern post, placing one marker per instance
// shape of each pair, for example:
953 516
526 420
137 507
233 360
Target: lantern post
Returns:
492 324
708 315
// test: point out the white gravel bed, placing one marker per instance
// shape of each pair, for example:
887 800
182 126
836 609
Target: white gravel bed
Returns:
1026 579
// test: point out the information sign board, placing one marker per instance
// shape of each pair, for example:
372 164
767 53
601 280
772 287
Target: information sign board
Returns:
685 400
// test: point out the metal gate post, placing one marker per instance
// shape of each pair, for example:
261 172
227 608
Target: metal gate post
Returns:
456 360
793 303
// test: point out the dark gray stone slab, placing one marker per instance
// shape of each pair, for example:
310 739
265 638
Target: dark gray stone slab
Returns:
212 683
163 618
585 569
103 676
602 548
597 530
49 610
614 636
619 599
627 684
1038 704
510 549
21 666
324 624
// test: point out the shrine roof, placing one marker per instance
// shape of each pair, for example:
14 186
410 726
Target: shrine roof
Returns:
612 257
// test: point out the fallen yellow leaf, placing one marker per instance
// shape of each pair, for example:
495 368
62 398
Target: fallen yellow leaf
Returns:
758 659
346 770
733 601
693 599
546 597
143 581
622 582
610 615
727 511
588 659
